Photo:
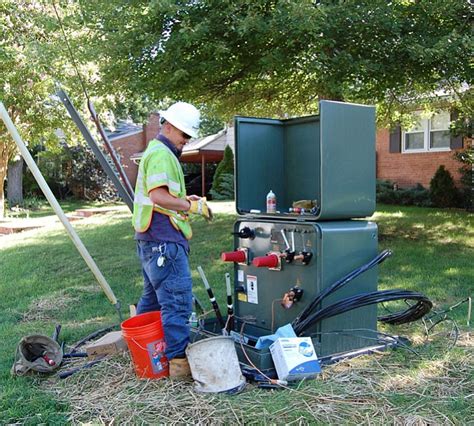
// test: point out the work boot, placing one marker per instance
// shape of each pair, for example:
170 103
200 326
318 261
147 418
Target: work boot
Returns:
179 368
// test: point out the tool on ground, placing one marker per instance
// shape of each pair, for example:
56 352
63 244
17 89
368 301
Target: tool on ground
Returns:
198 304
56 332
57 208
75 355
70 372
213 300
230 305
47 359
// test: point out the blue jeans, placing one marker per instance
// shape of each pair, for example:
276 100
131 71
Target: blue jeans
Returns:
167 288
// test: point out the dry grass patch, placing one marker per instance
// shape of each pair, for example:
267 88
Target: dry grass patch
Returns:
47 308
377 389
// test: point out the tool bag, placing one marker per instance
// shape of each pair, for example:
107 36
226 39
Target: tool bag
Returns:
37 353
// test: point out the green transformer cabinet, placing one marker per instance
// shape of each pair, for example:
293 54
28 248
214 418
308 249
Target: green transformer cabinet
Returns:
334 249
328 157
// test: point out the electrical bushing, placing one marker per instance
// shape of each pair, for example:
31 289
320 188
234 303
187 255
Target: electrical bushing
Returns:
239 256
270 261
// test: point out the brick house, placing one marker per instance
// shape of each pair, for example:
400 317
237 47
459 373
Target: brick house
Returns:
130 140
411 156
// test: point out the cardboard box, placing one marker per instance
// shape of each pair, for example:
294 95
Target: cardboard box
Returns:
294 358
111 343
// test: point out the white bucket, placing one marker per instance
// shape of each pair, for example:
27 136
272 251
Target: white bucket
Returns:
215 366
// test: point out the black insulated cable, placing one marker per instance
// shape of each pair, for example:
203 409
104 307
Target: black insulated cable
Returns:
338 284
422 306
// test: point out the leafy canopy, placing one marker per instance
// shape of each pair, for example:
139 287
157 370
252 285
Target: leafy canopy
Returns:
278 56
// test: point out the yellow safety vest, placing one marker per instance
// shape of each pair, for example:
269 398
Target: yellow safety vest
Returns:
159 167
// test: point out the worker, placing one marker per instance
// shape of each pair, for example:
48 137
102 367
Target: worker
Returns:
161 222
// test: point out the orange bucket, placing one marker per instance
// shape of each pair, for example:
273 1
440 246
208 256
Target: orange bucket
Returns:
146 340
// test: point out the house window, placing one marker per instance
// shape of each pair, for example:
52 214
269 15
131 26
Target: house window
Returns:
428 134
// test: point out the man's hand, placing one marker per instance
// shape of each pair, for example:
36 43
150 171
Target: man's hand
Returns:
199 206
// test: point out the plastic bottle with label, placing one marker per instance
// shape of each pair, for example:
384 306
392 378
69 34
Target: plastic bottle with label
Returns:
193 320
271 202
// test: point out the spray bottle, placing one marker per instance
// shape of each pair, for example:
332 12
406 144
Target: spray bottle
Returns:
271 202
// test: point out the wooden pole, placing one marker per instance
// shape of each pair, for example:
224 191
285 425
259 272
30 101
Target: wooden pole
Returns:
56 207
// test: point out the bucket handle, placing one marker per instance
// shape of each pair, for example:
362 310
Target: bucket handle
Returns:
138 344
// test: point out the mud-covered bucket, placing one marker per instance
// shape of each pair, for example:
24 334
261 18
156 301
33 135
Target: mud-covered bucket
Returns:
215 366
145 339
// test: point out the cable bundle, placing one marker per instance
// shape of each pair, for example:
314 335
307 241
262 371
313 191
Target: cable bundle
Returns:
413 313
310 315
338 284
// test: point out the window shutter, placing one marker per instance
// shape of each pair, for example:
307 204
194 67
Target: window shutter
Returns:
395 144
456 142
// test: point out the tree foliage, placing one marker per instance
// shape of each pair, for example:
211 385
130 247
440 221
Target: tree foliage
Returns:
33 58
280 57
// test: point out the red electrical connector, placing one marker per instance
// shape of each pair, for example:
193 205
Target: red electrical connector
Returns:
239 256
272 260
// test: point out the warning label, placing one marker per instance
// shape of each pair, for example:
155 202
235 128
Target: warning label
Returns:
252 289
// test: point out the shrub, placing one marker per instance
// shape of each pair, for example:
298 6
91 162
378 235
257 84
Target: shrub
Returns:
227 188
388 193
71 171
443 192
223 183
86 178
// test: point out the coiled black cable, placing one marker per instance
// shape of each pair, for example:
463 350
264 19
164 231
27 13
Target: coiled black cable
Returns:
338 284
422 306
309 316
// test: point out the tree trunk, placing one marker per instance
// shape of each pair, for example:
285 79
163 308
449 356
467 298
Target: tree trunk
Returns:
15 182
3 175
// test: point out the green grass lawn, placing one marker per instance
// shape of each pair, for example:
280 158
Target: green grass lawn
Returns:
44 282
39 207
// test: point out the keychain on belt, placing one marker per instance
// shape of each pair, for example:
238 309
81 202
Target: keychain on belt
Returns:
161 258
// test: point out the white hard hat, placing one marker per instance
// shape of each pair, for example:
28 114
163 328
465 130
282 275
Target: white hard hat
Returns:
183 116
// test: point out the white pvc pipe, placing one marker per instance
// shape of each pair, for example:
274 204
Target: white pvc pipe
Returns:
55 205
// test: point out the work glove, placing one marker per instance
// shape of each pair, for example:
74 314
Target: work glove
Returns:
305 204
200 207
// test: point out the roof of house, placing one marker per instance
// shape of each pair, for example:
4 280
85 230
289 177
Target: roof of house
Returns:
123 128
213 145
216 142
